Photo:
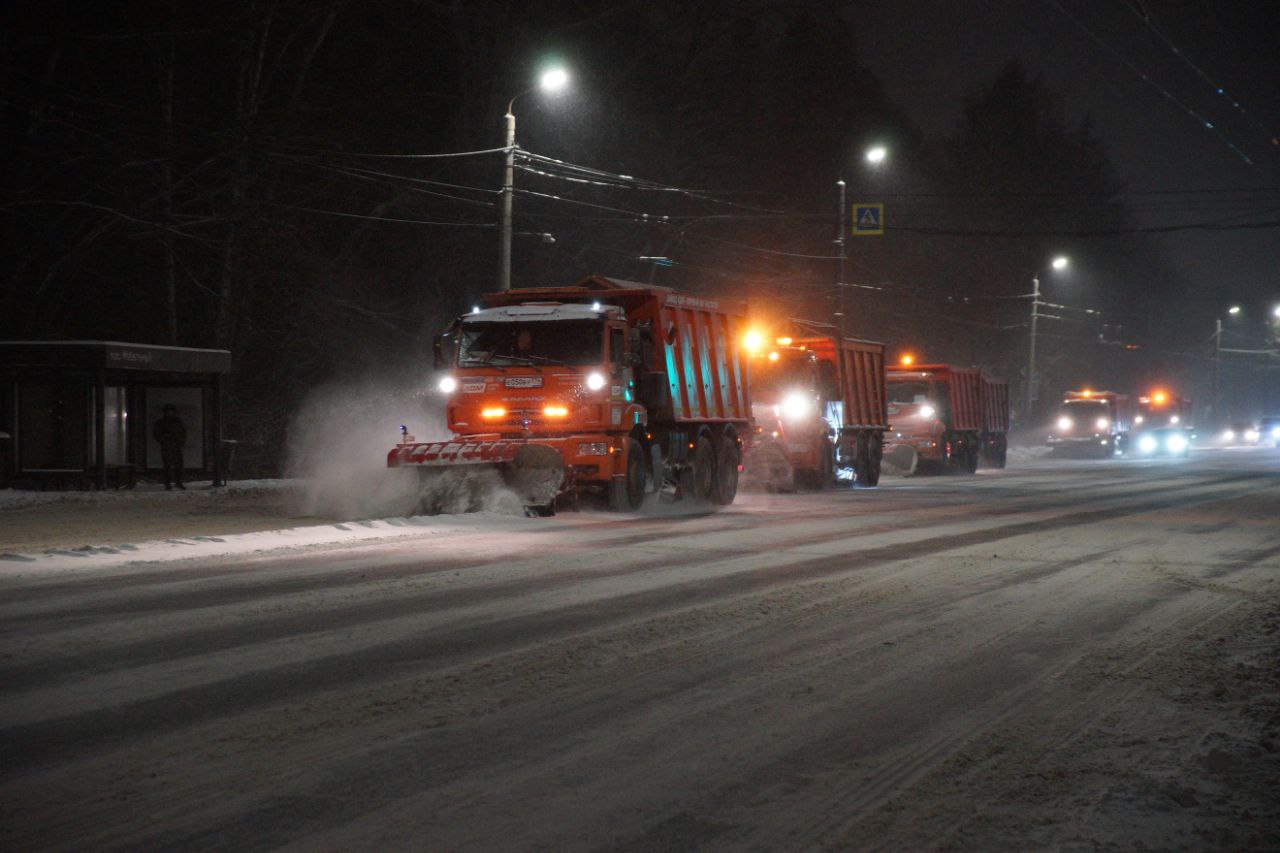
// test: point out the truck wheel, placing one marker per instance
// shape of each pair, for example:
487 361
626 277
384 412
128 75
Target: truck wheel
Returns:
862 472
697 481
875 455
969 458
726 481
1000 456
627 494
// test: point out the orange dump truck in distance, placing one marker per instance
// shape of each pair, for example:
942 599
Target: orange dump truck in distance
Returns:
947 416
820 411
606 386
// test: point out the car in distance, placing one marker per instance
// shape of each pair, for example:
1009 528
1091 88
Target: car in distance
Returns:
1163 441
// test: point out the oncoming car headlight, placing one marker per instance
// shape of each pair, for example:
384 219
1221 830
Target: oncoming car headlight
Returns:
1147 444
796 405
1230 435
1176 443
1251 435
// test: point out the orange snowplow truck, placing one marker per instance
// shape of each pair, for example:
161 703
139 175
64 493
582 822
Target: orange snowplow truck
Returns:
819 406
947 416
607 386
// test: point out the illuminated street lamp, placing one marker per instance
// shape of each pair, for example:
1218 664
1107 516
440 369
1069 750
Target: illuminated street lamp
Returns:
552 80
875 155
1058 264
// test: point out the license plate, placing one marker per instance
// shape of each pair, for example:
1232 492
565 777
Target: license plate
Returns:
524 382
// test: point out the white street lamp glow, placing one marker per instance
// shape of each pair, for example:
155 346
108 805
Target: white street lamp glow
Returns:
1233 310
1275 312
876 155
1060 263
554 79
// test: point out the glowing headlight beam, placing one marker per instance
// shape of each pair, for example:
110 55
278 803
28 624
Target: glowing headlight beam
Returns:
447 384
796 406
595 381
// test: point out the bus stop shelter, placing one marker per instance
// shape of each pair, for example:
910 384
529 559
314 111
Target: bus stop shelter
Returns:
77 414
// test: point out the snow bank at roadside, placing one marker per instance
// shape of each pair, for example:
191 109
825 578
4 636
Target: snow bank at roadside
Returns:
293 538
21 498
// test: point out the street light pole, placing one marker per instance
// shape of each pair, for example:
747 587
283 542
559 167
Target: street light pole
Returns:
841 290
508 190
1217 371
553 80
1031 349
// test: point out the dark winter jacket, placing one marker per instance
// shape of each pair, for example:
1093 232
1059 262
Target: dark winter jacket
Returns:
170 432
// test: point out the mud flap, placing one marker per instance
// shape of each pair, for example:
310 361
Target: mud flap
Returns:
904 459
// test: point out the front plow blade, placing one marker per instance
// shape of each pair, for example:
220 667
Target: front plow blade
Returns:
459 476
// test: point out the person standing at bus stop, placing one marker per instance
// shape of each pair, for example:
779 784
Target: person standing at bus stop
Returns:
172 435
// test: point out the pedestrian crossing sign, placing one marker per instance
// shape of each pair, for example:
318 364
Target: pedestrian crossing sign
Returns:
868 219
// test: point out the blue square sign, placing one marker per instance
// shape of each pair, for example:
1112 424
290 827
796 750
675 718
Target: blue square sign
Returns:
868 219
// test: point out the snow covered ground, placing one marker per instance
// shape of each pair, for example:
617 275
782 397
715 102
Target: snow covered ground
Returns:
1057 655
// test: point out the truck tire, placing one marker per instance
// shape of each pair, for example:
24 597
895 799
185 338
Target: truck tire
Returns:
969 457
697 481
726 479
866 464
1000 452
626 494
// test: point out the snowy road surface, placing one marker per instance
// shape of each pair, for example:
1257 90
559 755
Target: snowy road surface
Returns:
1069 654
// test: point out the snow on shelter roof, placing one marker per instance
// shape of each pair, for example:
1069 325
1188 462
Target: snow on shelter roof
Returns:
113 355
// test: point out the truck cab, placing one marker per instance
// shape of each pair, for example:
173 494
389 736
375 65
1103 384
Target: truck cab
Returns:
547 369
1090 423
796 407
936 411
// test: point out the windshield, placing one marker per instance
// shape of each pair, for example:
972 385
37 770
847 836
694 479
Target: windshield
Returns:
769 379
567 342
908 392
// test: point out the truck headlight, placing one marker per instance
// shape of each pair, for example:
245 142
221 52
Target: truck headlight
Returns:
1230 435
1102 423
796 406
1176 443
1251 435
1065 424
447 384
595 381
1147 444
926 412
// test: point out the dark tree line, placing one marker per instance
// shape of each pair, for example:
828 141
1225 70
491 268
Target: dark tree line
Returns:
189 173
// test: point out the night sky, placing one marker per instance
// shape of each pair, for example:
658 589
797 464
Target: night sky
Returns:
224 153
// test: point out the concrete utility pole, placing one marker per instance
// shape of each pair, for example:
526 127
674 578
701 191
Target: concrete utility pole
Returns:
553 80
1031 349
508 190
1217 373
841 289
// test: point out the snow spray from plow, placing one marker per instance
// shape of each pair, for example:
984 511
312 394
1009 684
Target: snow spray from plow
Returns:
464 471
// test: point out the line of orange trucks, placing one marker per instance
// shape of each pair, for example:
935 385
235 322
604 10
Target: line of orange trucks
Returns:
626 390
